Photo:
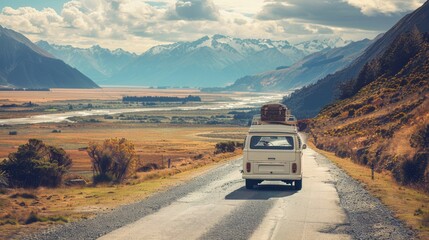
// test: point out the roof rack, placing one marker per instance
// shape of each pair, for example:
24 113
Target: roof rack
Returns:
290 120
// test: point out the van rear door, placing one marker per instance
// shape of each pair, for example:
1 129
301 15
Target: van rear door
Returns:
271 153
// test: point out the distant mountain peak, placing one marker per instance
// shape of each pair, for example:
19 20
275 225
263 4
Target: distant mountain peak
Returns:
316 45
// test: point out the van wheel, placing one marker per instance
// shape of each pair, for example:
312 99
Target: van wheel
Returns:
298 184
250 183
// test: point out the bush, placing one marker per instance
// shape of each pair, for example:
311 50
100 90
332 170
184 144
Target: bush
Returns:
420 139
224 147
114 160
36 164
412 171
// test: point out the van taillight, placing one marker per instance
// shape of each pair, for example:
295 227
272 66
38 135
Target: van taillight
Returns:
294 167
248 167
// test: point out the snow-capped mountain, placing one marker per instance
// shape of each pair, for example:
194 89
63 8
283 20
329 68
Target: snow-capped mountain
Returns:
306 71
209 61
317 45
96 62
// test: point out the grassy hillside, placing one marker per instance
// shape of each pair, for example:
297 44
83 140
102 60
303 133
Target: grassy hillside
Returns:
308 101
383 119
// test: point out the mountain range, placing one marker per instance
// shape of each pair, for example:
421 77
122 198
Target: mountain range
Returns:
209 61
308 101
306 71
96 62
25 65
206 62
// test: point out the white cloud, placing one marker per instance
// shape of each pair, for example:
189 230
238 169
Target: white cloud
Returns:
387 7
136 25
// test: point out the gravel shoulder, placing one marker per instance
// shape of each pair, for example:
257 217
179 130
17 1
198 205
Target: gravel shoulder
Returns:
368 217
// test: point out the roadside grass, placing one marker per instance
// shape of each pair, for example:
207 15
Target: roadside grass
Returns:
24 211
409 205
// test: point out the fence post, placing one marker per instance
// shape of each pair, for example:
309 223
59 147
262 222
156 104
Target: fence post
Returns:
372 171
169 162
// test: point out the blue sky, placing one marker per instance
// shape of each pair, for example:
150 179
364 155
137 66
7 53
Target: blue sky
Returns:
137 25
37 4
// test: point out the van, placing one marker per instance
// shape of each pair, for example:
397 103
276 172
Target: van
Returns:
272 151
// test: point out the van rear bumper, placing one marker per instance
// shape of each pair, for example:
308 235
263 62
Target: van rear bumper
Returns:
273 177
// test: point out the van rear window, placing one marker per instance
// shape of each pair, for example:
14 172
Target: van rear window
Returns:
272 142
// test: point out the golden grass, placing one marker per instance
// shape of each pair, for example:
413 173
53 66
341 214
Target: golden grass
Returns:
409 205
153 143
74 203
191 155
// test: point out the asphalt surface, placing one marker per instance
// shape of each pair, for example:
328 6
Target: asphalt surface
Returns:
216 205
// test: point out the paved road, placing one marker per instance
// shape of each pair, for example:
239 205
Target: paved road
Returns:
224 209
217 206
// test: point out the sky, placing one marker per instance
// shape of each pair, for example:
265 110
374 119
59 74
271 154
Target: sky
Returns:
137 25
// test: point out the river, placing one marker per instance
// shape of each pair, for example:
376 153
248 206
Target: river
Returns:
236 103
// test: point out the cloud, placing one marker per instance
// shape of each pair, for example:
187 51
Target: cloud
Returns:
194 10
386 7
137 25
334 13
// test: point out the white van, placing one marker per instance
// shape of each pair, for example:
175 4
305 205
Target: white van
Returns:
272 152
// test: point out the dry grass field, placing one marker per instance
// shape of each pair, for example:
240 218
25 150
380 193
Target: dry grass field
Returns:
153 143
189 145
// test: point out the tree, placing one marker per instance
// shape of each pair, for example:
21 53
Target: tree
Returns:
36 164
114 160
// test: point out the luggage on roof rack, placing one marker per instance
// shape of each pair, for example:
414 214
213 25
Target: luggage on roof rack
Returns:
274 114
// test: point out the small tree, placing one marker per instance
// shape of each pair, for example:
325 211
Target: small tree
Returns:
115 159
36 164
224 147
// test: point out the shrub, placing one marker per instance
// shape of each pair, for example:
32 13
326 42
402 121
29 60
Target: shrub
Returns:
365 110
114 160
149 167
224 147
412 171
36 164
420 139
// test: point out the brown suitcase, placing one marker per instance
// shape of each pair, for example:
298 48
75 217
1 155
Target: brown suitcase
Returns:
273 112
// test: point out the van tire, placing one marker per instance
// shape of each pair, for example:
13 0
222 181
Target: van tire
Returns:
298 184
250 183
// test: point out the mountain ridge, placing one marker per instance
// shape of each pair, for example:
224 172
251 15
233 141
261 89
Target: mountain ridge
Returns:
96 62
23 64
308 101
306 71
